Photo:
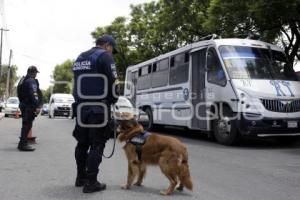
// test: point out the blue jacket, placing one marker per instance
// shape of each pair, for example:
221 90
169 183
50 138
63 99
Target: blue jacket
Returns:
32 93
87 69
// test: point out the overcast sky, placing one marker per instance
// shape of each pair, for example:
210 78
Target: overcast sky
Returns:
48 32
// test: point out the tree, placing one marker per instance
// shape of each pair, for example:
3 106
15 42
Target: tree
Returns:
63 73
119 30
47 94
12 80
273 21
154 28
158 27
182 20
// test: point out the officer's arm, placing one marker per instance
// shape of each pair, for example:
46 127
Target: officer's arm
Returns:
109 69
40 94
33 93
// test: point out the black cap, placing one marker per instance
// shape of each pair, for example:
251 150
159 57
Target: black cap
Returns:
108 39
32 69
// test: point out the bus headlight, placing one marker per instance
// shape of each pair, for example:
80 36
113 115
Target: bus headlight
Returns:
246 101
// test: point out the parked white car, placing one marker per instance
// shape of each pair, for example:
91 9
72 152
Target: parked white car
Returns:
124 105
60 105
11 106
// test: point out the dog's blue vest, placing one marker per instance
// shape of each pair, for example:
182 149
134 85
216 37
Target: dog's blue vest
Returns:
139 141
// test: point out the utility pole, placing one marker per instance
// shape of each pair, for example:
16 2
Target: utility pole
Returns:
2 29
8 75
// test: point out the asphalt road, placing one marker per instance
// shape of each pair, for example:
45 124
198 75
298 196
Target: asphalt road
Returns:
254 170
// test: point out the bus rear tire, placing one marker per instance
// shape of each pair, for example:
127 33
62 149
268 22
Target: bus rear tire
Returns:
225 130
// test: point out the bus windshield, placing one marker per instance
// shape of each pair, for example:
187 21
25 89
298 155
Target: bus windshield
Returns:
256 63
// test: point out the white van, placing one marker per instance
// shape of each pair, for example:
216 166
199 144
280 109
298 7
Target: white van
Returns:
225 87
60 105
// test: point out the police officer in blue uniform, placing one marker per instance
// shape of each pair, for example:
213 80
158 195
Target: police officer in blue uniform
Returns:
89 88
30 97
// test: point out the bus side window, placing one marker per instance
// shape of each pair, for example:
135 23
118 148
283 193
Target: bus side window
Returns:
172 62
149 69
144 80
186 57
179 71
215 72
154 67
160 70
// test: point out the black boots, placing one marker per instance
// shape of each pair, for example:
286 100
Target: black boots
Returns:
81 178
24 146
93 187
80 181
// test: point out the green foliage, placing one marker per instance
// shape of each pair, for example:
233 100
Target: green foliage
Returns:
153 29
273 21
63 73
12 80
119 30
160 26
47 94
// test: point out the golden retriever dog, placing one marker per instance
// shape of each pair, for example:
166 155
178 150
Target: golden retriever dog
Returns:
168 152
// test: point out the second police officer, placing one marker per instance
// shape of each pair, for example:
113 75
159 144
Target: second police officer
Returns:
30 97
89 88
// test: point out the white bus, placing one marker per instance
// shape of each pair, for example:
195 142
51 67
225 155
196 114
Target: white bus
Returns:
225 87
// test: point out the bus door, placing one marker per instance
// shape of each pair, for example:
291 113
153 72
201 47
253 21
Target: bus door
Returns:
198 89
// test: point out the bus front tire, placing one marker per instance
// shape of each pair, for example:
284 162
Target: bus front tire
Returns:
225 130
150 125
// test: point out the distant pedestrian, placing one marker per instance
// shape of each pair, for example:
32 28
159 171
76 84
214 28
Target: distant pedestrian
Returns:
88 69
30 97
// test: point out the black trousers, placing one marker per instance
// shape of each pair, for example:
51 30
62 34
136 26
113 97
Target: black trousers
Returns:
90 145
28 116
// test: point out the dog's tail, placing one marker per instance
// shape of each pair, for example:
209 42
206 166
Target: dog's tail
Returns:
184 174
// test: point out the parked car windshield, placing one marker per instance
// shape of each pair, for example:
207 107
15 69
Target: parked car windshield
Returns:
13 101
63 100
256 63
124 103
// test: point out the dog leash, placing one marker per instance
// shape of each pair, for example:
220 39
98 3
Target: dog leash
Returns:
115 135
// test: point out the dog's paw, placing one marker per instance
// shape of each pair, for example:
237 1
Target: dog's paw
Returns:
135 162
165 192
179 188
138 184
125 187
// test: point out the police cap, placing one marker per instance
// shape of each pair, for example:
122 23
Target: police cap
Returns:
108 39
32 69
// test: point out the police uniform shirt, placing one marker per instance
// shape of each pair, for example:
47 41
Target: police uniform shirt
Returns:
90 64
31 89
